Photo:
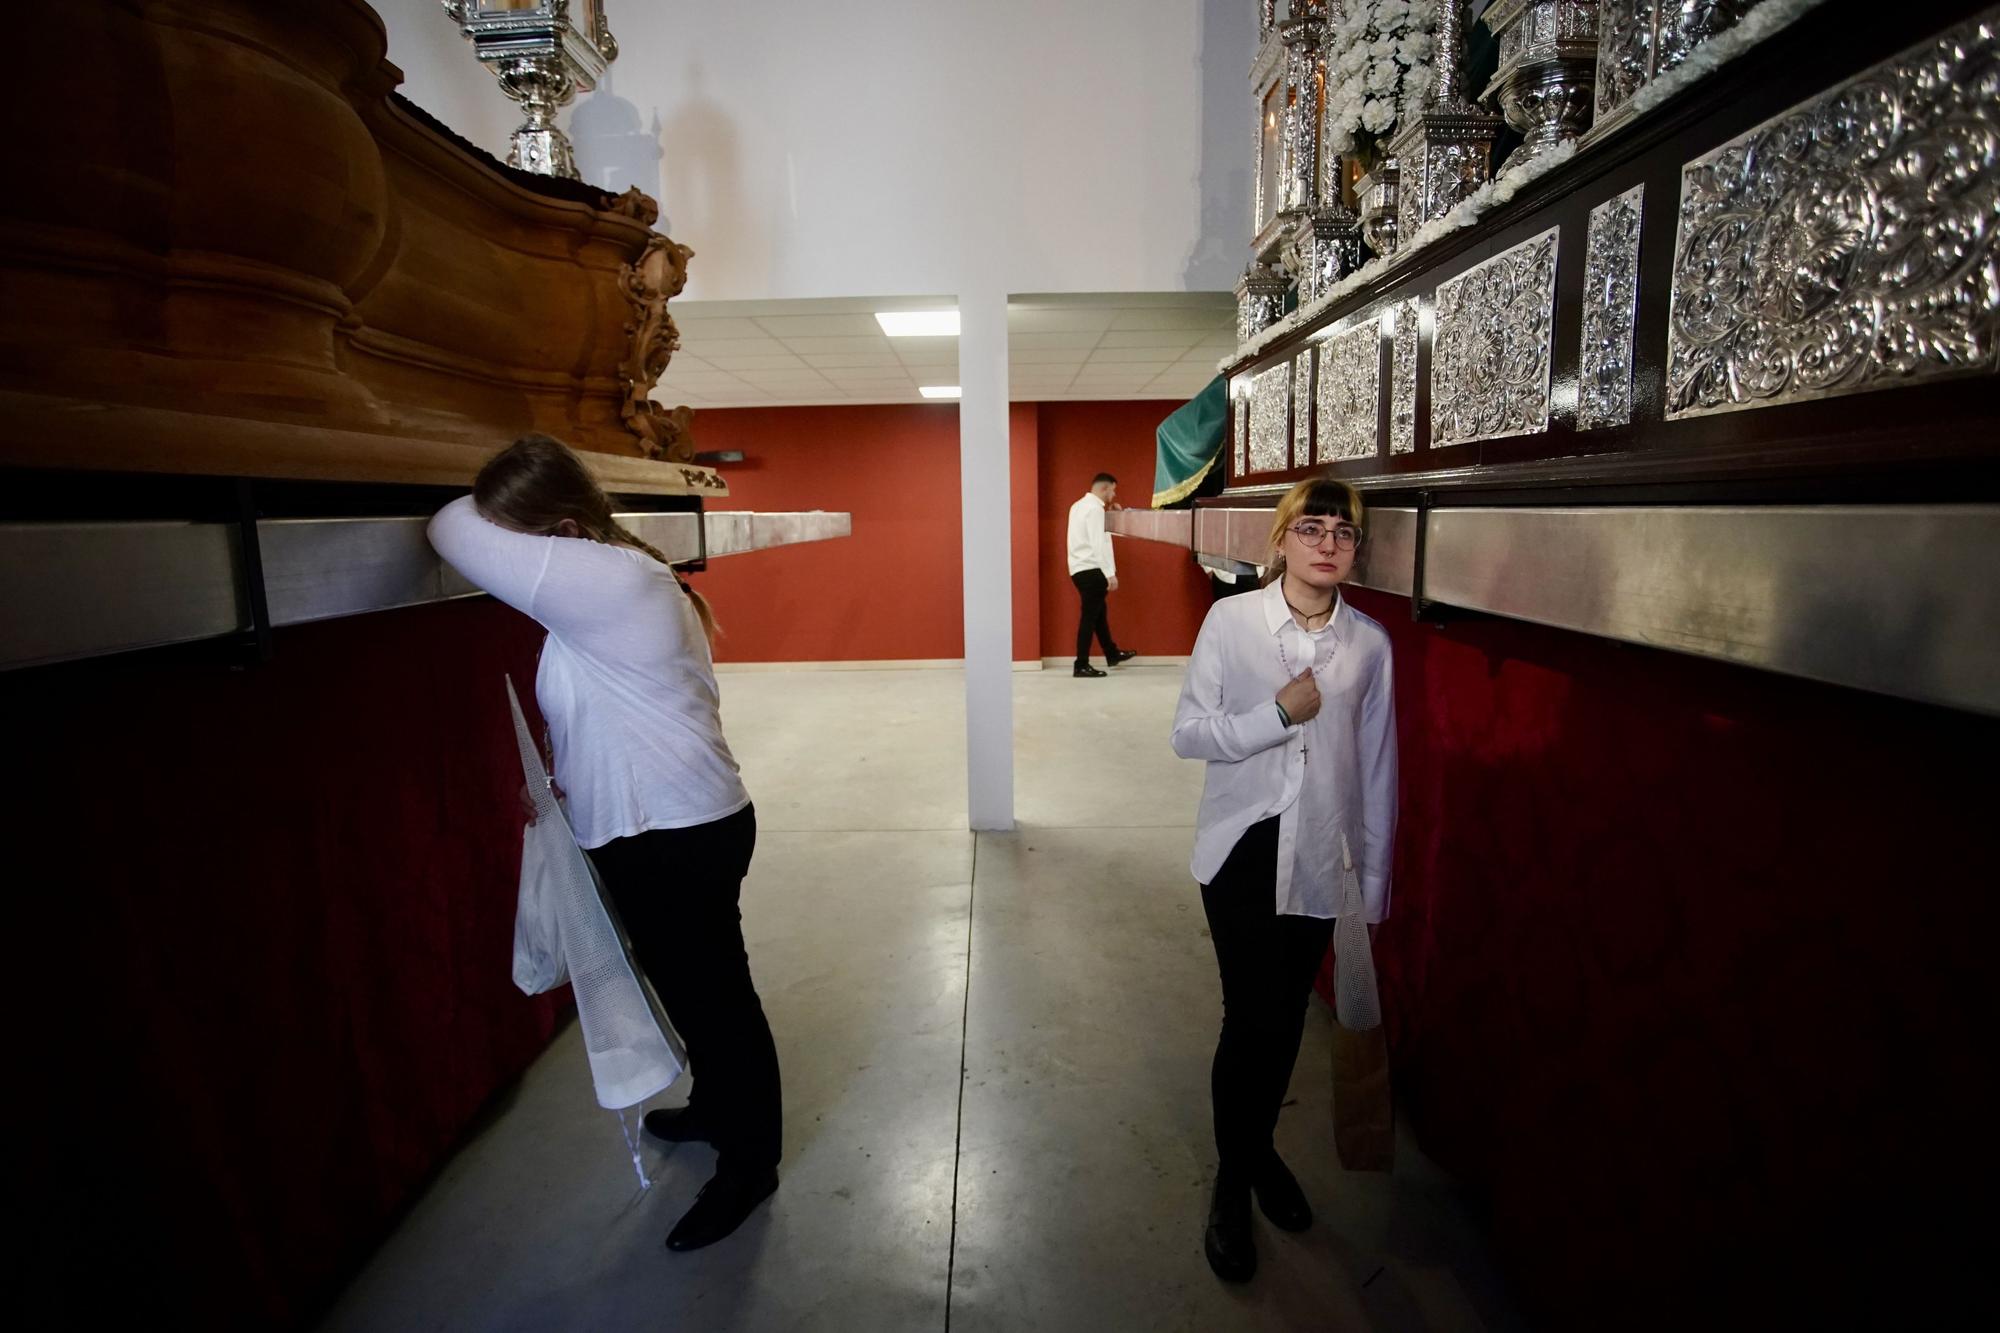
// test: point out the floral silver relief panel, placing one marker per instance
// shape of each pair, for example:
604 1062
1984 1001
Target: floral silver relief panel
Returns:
1849 244
1270 430
1350 393
1403 380
1242 437
1490 360
1610 303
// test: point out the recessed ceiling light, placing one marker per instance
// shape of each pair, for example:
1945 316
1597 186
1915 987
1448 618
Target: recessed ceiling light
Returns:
918 323
939 390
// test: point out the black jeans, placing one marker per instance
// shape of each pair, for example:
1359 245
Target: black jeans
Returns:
1092 586
677 893
1268 964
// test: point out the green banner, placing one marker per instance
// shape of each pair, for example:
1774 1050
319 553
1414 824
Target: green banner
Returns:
1189 443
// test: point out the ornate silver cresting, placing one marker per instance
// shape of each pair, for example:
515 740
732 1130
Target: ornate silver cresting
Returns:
1548 70
1446 150
1260 300
1270 426
1849 244
1403 379
1490 360
1639 40
1610 305
1350 393
543 55
1379 206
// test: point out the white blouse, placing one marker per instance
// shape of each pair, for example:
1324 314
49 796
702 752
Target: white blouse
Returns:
626 682
1330 781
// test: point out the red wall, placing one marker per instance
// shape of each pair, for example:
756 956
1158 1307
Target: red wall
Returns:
1689 971
893 590
1162 594
263 940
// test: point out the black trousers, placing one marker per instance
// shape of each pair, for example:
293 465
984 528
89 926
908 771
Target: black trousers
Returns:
677 893
1092 586
1268 964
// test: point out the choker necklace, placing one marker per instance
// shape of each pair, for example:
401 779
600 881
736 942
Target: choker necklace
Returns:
1311 615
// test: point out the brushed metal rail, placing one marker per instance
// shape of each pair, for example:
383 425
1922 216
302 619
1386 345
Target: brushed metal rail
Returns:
76 590
1242 537
1898 599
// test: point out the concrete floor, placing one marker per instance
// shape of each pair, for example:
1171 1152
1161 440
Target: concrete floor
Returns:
1061 1183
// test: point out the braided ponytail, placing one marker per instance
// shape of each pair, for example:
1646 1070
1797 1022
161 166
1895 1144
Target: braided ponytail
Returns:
626 537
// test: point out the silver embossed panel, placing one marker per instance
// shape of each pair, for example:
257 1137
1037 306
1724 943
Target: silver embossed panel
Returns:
1490 360
1610 303
1270 427
1849 244
1302 406
1350 393
1403 380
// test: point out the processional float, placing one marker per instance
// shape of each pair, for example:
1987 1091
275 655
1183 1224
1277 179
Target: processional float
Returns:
263 315
1633 318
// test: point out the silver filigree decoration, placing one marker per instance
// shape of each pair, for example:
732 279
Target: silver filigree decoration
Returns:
1610 304
1850 244
1270 429
1350 393
1302 408
1639 40
1490 359
1403 380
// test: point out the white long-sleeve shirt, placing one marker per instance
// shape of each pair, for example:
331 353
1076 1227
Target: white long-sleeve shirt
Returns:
1330 781
626 682
1089 543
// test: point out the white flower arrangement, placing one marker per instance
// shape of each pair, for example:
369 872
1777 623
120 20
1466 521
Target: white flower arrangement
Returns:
1378 62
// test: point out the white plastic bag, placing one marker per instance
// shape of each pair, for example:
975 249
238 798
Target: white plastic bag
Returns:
634 1052
538 951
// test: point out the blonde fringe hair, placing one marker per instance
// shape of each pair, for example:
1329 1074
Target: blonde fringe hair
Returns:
537 483
1321 497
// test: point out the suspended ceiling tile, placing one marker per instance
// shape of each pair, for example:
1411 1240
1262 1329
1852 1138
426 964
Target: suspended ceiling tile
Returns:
820 326
715 329
851 360
714 352
1057 319
1046 356
1071 339
778 361
1178 339
1105 356
1197 318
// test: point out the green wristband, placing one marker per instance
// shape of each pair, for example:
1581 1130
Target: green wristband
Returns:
1283 714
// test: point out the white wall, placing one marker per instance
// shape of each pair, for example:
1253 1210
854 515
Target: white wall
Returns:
866 147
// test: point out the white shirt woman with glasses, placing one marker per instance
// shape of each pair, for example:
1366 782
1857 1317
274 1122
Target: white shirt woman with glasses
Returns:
1290 698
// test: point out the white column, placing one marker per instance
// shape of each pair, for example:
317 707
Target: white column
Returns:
989 588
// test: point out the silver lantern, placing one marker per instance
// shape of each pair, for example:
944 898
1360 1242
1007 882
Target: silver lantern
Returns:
543 52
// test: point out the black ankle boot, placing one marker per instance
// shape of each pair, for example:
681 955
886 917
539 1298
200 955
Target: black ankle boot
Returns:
1231 1252
678 1124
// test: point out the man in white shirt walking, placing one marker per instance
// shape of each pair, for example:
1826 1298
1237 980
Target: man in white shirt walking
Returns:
1094 572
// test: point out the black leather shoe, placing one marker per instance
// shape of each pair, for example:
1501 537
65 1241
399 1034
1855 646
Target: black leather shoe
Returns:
1087 671
721 1207
678 1124
1280 1198
1122 655
1231 1252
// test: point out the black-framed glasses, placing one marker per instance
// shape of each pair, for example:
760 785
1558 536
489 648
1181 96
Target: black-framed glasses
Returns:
1313 532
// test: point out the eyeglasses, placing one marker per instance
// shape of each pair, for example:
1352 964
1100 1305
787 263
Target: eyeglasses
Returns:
1345 536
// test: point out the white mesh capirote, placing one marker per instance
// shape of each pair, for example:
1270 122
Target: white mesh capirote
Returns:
1356 1002
634 1052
